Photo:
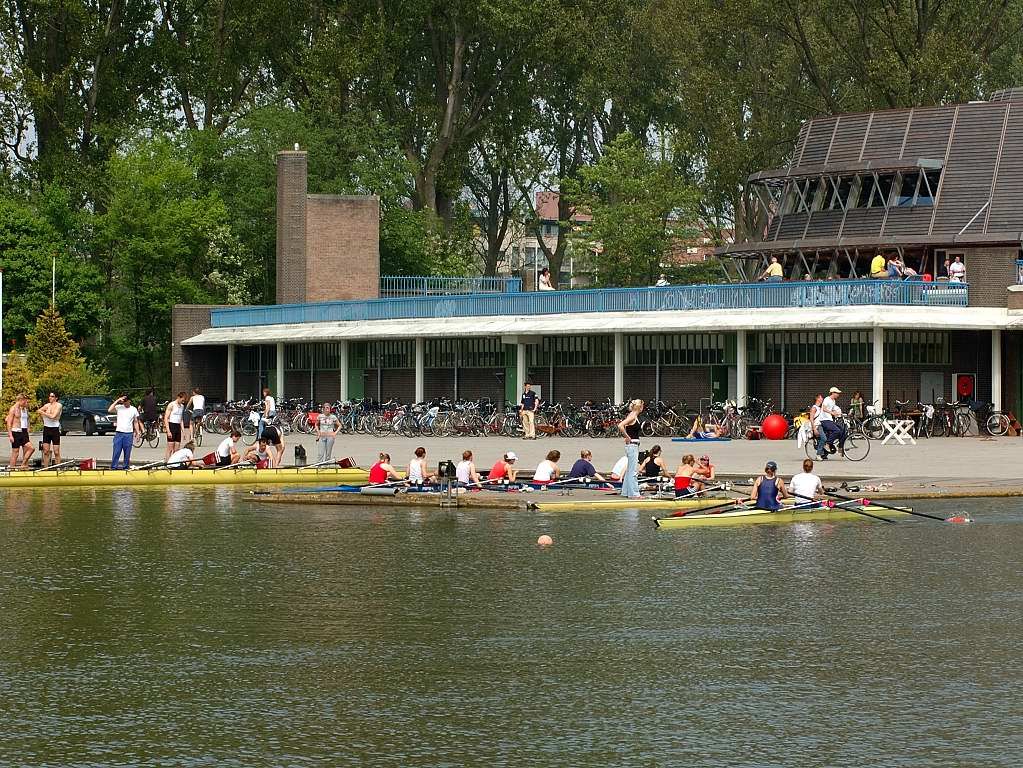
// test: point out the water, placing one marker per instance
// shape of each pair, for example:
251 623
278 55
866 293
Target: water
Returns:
193 628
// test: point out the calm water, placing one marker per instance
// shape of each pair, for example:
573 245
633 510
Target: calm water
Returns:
173 627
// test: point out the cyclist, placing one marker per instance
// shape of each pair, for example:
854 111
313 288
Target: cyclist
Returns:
834 430
197 405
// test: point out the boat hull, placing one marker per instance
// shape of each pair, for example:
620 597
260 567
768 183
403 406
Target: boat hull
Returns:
753 516
122 478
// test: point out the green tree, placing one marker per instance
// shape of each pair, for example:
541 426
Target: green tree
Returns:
641 208
18 379
56 360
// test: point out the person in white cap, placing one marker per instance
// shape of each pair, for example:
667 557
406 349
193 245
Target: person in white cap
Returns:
504 468
834 429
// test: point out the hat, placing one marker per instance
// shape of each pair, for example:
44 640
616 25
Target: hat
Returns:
834 391
510 456
705 458
771 465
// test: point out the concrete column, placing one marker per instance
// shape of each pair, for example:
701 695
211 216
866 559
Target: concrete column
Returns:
420 369
230 371
619 393
520 369
343 390
741 368
996 368
877 379
280 372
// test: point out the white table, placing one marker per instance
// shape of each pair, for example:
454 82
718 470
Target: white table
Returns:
899 431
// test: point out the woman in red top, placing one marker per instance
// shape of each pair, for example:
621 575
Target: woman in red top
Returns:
504 468
684 476
382 471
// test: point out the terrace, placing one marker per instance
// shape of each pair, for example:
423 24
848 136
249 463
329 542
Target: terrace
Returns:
744 296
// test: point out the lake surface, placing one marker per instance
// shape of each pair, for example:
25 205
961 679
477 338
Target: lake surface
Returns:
192 628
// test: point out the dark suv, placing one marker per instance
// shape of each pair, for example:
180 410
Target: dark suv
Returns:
86 413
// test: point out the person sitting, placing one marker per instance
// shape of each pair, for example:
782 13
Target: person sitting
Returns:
703 473
769 489
418 472
466 472
183 458
618 470
806 486
684 476
382 471
662 281
504 468
227 451
259 454
543 281
701 431
773 273
878 268
653 465
583 467
547 470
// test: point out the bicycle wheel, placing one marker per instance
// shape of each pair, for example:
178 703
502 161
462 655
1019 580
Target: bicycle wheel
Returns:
248 430
811 448
153 438
873 428
857 446
197 434
997 424
137 440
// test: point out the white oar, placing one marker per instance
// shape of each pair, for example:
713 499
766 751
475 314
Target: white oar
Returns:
152 465
67 463
850 508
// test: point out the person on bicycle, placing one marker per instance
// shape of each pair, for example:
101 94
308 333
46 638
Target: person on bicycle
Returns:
815 424
831 424
197 405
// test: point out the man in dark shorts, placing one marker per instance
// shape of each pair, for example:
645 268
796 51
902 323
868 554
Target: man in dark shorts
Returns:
272 436
17 432
51 411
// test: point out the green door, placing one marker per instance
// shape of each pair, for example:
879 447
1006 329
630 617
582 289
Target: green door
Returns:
719 383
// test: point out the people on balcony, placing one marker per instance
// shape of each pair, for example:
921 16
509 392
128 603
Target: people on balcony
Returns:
957 271
543 281
878 267
773 273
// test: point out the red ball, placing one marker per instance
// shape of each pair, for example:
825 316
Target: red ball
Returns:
774 427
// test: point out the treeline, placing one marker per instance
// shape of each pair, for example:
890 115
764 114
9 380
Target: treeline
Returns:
139 135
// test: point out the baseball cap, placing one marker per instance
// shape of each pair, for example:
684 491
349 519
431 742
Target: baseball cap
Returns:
705 458
510 456
835 390
771 465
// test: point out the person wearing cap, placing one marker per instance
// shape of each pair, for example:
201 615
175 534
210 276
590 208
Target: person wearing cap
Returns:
583 467
504 468
703 472
833 429
768 489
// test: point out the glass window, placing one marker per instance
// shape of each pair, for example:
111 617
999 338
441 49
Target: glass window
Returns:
840 193
867 186
928 187
907 188
882 191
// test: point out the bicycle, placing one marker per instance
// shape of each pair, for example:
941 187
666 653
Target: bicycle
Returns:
857 444
150 434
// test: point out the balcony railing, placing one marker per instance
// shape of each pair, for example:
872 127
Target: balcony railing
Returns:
831 293
401 286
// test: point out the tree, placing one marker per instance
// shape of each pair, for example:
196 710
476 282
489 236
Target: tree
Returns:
18 380
56 360
640 208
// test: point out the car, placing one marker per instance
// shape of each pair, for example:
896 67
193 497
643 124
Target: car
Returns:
86 413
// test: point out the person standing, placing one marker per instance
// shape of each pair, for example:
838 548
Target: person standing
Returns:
172 416
273 437
957 271
126 426
769 489
527 410
51 412
834 430
268 412
17 432
327 428
543 281
629 428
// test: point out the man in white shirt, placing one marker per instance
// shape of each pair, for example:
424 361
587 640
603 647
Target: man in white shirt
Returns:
126 426
227 451
806 486
183 458
833 429
957 271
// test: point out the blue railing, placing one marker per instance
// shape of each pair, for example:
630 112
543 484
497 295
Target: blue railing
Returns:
400 286
832 293
1019 271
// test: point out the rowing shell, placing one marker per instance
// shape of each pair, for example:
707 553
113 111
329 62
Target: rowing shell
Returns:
121 478
744 516
651 502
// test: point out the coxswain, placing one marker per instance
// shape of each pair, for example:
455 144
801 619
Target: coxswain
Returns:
504 468
547 470
806 486
769 489
684 485
583 467
382 471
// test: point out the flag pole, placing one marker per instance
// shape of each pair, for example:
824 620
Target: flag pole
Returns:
53 284
1 329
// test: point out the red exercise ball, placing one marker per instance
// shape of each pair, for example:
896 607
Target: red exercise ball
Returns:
774 427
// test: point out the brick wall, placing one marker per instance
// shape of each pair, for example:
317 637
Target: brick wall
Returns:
292 177
476 383
803 382
579 384
203 367
397 383
989 271
438 382
342 247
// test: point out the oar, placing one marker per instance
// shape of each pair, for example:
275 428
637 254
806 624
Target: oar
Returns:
69 462
894 509
239 465
703 510
851 509
318 464
151 465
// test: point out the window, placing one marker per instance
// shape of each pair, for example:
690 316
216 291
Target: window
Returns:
882 191
680 349
573 351
810 348
917 348
840 189
928 187
867 186
909 181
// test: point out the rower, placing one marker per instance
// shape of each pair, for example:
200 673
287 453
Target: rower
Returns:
684 485
618 470
768 489
382 471
504 468
273 438
806 486
466 472
418 474
183 458
703 473
584 468
547 470
259 454
653 465
227 451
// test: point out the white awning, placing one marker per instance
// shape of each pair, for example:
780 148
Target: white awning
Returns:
577 324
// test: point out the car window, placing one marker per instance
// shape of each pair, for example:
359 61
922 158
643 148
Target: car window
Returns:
95 403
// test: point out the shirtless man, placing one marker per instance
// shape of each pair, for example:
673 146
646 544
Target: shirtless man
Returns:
17 432
51 411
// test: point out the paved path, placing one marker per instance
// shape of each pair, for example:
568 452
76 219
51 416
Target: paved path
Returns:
942 462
